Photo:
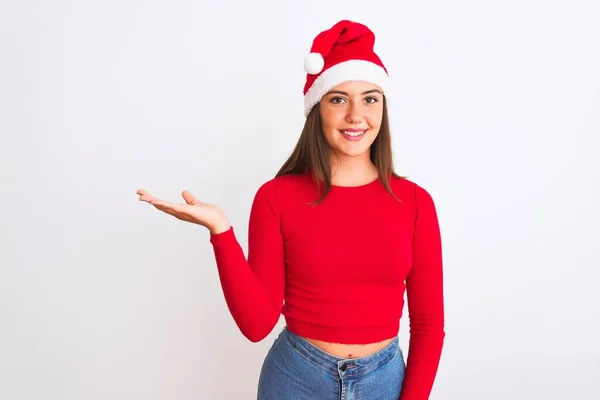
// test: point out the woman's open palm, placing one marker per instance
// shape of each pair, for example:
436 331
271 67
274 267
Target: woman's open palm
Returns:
192 210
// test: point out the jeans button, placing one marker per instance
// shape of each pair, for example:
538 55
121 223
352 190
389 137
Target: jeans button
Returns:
343 367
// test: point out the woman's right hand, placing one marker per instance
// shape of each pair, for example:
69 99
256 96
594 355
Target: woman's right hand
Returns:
192 210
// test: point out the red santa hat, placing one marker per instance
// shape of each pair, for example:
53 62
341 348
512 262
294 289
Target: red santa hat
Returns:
340 54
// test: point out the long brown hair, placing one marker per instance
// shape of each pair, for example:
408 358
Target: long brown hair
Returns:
312 153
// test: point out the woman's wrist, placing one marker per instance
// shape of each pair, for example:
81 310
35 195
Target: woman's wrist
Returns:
220 227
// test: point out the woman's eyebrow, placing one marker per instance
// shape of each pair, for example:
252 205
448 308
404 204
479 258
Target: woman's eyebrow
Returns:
346 94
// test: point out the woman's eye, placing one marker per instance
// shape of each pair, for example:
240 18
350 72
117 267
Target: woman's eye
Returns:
371 100
337 100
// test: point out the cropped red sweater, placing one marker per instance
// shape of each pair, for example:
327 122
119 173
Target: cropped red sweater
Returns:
338 271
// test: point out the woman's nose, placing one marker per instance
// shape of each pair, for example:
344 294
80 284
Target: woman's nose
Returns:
353 114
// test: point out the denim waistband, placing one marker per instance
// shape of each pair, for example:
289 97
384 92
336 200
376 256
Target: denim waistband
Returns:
349 367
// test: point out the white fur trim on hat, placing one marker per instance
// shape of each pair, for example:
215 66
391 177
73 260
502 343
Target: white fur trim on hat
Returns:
351 70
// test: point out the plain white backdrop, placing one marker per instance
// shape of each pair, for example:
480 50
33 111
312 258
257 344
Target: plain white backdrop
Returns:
495 111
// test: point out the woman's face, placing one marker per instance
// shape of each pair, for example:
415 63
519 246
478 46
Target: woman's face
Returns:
351 115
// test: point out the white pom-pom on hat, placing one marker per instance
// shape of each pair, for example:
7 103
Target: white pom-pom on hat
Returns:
314 63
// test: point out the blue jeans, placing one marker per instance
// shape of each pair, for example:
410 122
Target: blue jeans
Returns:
295 369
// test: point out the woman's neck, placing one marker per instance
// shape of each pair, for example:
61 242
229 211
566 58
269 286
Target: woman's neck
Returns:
353 173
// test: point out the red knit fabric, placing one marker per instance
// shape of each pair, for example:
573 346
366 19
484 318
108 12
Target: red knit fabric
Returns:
338 271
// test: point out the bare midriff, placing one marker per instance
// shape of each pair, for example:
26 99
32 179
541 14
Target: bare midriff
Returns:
349 350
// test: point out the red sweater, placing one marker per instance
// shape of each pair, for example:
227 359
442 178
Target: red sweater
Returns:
338 271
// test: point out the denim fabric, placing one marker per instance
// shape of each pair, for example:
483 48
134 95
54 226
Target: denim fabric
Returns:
295 369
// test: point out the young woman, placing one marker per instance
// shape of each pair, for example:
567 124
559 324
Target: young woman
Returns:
334 240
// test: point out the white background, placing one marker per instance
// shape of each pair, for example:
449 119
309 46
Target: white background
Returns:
495 111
